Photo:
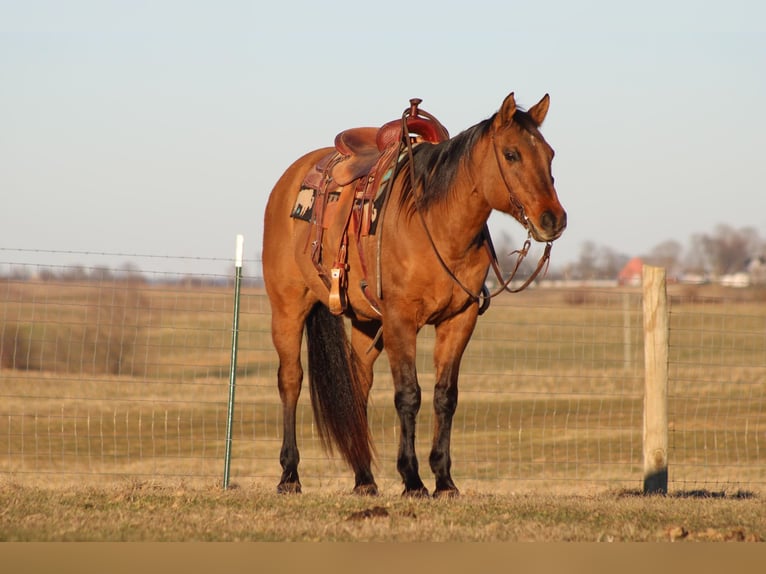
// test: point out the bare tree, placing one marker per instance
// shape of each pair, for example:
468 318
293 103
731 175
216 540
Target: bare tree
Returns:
666 254
101 273
585 268
130 272
507 256
726 250
597 262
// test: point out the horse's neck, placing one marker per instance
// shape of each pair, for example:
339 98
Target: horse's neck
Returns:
457 220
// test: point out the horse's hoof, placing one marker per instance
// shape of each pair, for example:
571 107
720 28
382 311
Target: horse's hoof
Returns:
366 489
289 488
447 493
421 492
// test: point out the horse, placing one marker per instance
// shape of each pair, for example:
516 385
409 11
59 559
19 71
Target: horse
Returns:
431 261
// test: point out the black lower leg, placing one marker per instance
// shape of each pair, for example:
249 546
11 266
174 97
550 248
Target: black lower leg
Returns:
407 403
445 404
289 459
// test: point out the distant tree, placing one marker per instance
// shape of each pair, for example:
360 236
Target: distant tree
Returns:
46 274
507 256
695 260
130 272
19 272
611 262
75 273
101 273
597 262
726 250
586 265
666 254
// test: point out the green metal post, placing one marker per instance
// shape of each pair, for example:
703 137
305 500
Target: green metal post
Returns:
233 363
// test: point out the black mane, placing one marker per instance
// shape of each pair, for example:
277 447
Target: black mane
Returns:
436 165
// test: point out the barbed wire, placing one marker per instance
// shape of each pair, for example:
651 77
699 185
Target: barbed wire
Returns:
120 254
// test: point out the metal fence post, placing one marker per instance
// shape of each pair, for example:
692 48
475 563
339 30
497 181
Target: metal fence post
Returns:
233 363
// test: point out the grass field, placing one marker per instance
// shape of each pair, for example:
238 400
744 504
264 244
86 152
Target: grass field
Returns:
133 511
103 385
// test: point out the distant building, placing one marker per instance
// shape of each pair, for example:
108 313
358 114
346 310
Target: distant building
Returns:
754 273
740 279
632 272
691 278
756 268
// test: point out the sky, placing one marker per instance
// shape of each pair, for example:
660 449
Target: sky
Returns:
159 127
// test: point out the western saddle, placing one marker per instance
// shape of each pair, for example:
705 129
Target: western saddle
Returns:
346 182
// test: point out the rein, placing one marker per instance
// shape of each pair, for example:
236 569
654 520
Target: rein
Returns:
484 296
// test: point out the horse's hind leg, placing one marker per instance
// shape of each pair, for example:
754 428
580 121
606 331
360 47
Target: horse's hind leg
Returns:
287 333
367 350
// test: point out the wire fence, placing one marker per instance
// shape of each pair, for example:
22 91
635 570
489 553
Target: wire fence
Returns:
114 375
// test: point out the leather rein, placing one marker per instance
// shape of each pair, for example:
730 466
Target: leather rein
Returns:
484 296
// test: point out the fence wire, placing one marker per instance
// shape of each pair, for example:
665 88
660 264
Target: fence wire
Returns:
108 375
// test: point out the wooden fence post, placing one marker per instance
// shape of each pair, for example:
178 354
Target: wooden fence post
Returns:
655 381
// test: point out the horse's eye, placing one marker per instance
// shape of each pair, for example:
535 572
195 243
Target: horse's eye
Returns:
512 155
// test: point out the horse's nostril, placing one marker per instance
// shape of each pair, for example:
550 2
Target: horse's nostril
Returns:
548 221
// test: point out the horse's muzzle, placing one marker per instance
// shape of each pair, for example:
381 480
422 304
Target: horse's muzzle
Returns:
551 226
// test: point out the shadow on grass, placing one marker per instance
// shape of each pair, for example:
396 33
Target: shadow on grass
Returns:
701 493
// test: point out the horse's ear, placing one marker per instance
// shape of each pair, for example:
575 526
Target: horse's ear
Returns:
540 110
507 109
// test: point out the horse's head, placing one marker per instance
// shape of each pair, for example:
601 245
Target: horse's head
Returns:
519 176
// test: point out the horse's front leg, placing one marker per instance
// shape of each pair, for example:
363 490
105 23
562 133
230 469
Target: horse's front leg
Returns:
400 347
452 336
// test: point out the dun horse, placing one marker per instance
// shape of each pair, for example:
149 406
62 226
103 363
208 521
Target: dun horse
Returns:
393 241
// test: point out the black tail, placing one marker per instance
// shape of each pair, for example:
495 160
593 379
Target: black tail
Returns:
337 396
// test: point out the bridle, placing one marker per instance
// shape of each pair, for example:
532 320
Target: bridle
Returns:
484 296
522 253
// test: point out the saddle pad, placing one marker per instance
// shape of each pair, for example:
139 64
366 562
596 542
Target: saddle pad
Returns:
314 180
304 204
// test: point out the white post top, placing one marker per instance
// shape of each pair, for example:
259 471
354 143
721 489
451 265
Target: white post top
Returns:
240 246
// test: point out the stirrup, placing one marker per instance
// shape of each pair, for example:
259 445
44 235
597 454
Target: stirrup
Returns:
336 302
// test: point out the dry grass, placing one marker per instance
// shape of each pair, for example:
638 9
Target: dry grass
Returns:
110 392
146 511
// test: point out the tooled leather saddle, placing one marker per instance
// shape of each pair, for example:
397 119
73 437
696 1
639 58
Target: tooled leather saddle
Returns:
351 183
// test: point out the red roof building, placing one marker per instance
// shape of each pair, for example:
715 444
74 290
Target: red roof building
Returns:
631 273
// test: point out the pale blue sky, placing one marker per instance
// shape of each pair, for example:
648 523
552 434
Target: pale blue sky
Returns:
159 127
